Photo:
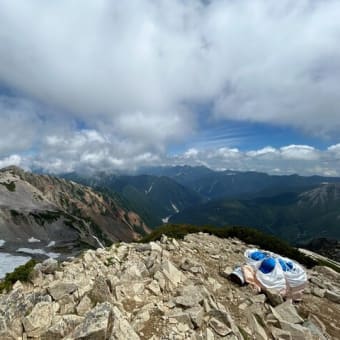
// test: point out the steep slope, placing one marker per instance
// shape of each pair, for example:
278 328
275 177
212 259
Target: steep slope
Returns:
168 289
295 217
42 208
154 198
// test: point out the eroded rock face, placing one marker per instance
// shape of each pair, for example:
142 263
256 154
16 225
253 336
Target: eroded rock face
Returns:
163 290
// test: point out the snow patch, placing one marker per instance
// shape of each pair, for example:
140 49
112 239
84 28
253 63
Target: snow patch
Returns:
166 219
148 191
38 251
99 243
51 244
174 207
33 240
2 242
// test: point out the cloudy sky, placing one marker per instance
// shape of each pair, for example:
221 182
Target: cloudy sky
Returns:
115 85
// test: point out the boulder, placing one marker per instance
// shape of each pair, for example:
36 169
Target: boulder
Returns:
84 305
59 289
100 291
39 320
49 266
62 326
171 272
287 312
297 332
97 324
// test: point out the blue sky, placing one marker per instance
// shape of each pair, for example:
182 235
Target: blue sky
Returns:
246 85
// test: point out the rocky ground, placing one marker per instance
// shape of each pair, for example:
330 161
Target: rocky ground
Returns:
164 290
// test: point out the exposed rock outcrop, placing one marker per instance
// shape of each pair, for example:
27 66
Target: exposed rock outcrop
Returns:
155 291
43 212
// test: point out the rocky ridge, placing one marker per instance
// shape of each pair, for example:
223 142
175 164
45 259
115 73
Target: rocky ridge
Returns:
47 209
169 289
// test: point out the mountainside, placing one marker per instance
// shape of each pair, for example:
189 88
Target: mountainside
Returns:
296 217
154 198
236 184
168 289
40 210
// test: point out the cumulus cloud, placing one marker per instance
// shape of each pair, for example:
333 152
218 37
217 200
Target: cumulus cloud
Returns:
290 159
256 60
113 84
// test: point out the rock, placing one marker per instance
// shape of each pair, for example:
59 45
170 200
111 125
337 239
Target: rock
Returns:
140 319
59 289
49 266
84 305
100 291
196 314
279 334
297 332
258 331
260 298
181 316
39 320
121 327
314 329
97 325
226 271
287 312
331 296
154 288
191 297
219 327
316 291
62 326
208 334
274 297
171 272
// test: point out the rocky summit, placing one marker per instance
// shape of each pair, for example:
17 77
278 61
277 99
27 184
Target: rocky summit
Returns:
168 289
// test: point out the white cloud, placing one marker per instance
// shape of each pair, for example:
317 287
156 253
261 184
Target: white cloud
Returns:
11 160
256 60
299 152
110 85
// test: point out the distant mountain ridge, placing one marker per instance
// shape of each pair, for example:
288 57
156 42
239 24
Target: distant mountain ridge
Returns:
62 213
154 198
296 217
237 184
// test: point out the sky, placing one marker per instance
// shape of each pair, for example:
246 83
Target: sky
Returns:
117 85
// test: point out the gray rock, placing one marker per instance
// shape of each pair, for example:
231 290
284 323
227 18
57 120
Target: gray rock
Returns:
196 315
49 266
258 330
219 327
191 297
274 297
332 296
62 326
39 320
298 332
316 291
180 316
100 291
287 312
84 305
97 325
59 289
280 334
